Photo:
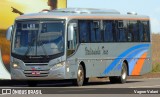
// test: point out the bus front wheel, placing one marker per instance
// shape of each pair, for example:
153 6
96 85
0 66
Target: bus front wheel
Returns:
80 77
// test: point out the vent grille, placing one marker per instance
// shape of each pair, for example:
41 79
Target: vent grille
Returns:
36 64
36 73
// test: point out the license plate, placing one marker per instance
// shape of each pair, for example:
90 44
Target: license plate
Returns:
36 72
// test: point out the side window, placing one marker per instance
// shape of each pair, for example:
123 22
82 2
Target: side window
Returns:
84 31
130 33
141 30
133 34
108 31
122 35
146 31
92 32
121 32
95 32
120 24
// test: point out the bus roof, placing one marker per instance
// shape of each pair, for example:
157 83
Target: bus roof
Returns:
82 13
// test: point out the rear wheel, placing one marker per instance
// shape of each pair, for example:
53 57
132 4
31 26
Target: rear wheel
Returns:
80 77
122 78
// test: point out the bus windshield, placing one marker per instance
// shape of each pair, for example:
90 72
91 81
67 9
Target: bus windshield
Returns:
38 38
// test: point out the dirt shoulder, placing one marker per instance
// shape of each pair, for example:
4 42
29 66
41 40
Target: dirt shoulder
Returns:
148 75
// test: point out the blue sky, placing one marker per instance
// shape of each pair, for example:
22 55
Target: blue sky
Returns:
150 8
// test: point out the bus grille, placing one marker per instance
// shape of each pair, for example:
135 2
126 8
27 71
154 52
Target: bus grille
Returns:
40 64
36 73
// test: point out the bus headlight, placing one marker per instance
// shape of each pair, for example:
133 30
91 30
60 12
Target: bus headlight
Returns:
59 65
15 66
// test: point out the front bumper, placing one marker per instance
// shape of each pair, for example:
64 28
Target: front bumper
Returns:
52 74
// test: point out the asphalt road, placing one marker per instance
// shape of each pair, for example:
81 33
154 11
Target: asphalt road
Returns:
131 83
92 87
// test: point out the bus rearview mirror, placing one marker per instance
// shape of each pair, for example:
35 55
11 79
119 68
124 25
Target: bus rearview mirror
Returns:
9 32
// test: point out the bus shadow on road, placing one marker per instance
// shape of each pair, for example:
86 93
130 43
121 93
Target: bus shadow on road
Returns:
108 83
134 81
8 83
62 83
69 84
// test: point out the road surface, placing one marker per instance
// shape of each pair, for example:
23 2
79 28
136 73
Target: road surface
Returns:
131 83
66 89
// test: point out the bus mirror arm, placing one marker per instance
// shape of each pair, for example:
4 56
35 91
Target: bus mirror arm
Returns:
9 32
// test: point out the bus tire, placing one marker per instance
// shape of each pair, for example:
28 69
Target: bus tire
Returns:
122 79
86 80
32 83
79 81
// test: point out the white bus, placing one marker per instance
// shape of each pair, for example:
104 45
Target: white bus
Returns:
78 44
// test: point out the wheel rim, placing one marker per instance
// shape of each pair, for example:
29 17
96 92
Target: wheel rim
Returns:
124 74
80 76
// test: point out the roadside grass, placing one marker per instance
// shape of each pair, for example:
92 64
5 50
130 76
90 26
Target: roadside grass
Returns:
156 52
156 67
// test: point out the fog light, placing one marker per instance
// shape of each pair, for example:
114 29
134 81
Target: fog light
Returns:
15 65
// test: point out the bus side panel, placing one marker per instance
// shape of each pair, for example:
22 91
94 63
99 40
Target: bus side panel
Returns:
137 56
144 64
148 63
147 67
111 57
71 69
